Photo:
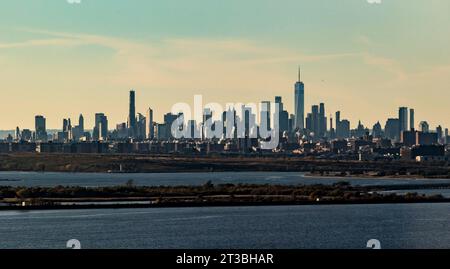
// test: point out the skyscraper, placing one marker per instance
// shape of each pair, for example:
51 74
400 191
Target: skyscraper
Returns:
169 119
40 128
265 112
65 125
412 124
391 129
17 135
141 133
150 126
81 124
424 127
322 129
345 128
101 127
440 133
283 117
403 120
377 131
313 119
446 140
299 103
279 101
338 124
78 131
132 115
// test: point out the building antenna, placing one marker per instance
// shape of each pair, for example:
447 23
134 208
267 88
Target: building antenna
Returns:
299 74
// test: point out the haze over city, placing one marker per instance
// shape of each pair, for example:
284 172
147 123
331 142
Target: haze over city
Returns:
363 59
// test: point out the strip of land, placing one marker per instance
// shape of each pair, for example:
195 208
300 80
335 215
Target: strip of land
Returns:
130 196
181 163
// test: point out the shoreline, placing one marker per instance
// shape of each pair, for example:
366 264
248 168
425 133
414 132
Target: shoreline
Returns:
412 177
207 195
216 204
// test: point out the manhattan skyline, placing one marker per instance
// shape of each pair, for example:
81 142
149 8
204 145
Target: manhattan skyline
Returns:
383 56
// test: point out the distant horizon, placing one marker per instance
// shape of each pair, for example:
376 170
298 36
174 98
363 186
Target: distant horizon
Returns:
365 60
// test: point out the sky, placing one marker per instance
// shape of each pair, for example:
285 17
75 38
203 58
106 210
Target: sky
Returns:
366 58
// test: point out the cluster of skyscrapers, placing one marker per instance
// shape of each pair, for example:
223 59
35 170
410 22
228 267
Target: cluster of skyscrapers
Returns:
296 128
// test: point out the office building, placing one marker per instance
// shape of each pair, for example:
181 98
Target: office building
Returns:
377 131
391 129
322 128
81 124
424 127
403 119
132 114
440 134
101 127
426 138
412 124
299 103
40 129
141 127
266 114
150 125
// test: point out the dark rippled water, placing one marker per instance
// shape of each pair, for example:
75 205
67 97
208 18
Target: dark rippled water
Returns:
397 226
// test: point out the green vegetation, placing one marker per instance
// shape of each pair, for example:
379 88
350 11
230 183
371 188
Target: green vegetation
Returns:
210 193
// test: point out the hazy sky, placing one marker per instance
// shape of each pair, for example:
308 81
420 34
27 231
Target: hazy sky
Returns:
59 59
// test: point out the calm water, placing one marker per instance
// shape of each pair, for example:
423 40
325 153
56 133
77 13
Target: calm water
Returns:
170 179
337 226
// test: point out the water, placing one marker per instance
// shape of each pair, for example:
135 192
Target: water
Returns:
397 226
444 192
32 179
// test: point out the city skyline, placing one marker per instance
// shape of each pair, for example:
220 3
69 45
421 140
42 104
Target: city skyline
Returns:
405 116
382 57
315 127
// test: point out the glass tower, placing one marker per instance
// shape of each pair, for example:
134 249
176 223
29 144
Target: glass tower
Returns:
299 103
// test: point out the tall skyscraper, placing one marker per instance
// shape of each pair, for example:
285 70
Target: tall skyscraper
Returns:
283 117
65 125
291 123
17 136
279 101
446 140
40 128
150 125
412 124
132 114
403 119
101 127
141 133
299 103
338 124
440 133
345 128
265 111
314 121
81 124
169 119
322 129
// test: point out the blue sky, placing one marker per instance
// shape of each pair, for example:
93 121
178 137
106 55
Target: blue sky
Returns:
365 59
